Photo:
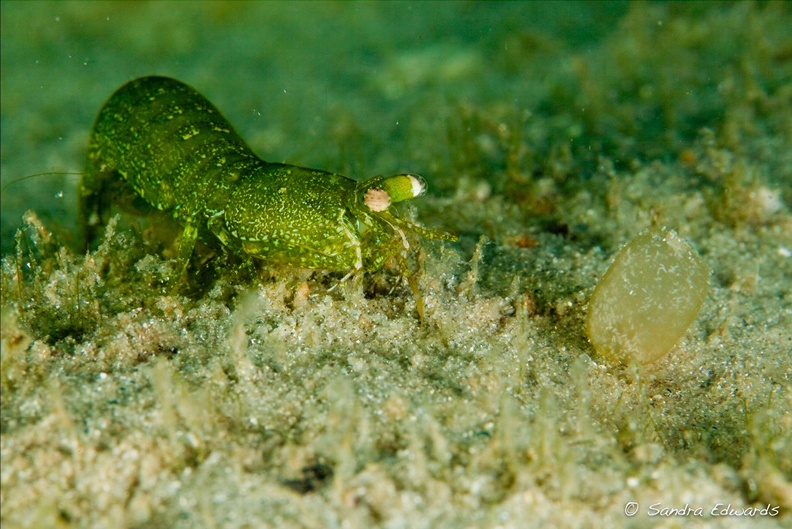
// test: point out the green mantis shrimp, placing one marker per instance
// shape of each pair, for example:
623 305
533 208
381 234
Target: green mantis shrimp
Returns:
157 143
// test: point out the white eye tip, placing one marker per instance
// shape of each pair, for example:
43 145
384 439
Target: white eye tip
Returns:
418 185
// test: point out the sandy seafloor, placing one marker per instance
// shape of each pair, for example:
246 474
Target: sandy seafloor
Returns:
551 134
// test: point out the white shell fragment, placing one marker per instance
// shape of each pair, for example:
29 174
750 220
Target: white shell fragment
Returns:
647 299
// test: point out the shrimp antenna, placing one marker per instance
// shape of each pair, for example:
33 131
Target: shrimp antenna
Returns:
21 178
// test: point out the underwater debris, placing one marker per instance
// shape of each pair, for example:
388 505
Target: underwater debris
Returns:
647 299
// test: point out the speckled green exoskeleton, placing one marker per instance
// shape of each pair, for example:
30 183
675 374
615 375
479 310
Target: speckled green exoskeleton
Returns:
158 143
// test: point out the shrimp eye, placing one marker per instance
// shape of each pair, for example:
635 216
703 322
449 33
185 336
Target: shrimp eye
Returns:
393 189
404 186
